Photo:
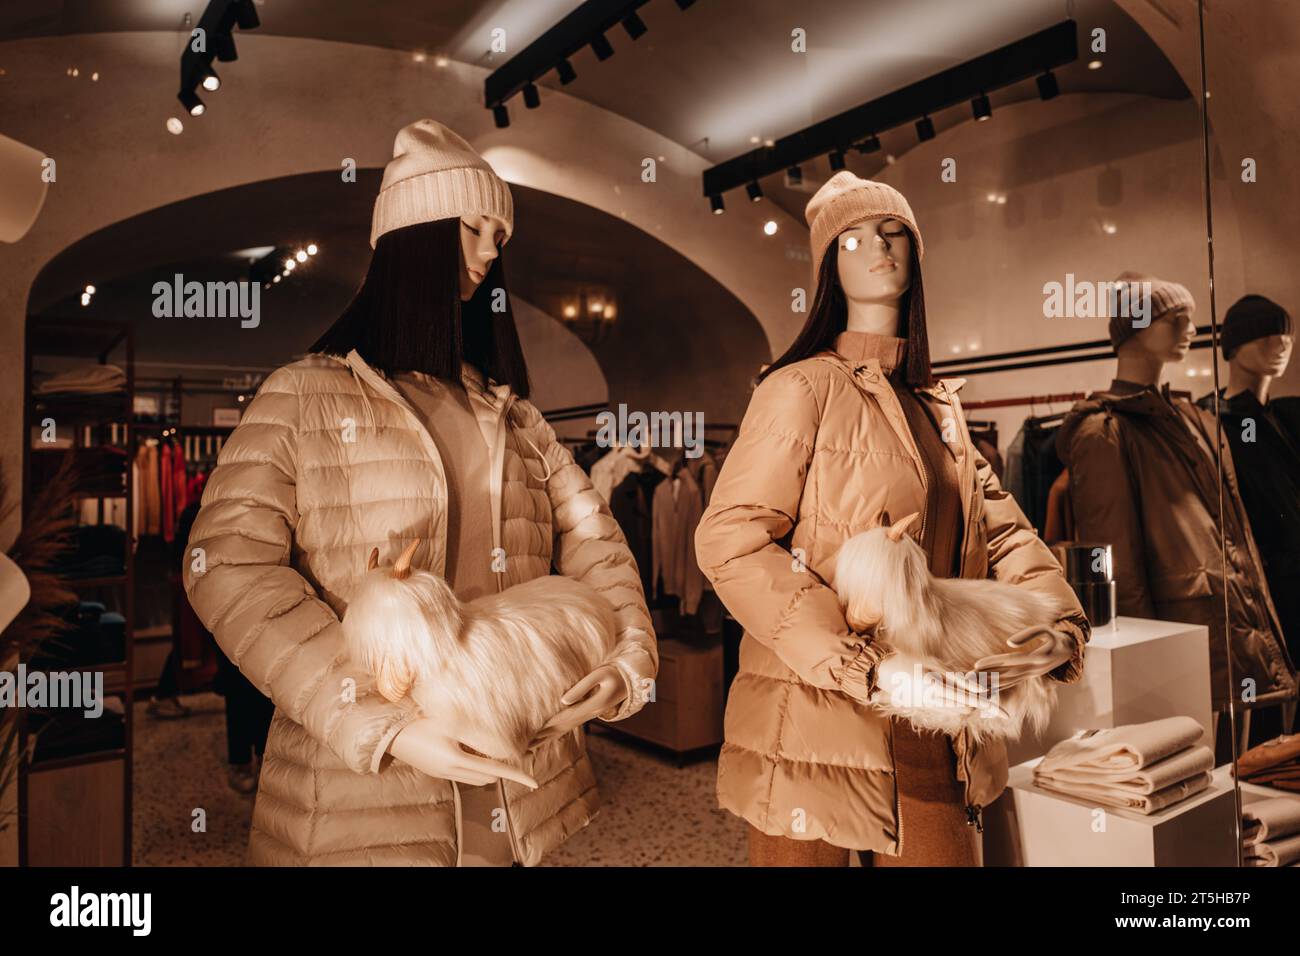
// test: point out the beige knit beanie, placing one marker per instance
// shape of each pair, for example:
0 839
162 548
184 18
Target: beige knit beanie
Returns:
846 200
435 174
1165 297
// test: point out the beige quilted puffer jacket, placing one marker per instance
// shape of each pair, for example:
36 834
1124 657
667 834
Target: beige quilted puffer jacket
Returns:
329 462
824 453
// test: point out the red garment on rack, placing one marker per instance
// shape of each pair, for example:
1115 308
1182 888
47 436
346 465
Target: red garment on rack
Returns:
179 482
168 488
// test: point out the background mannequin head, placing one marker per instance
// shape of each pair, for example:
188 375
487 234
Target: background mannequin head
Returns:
1145 351
1256 339
481 238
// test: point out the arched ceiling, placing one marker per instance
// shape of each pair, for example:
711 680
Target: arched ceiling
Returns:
669 311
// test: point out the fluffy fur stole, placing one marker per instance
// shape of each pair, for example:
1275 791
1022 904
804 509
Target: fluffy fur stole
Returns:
883 580
491 670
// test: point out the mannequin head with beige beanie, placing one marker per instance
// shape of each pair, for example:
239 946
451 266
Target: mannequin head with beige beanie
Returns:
427 301
866 256
1150 326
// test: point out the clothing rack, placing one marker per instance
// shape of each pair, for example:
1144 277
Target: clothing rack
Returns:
1027 400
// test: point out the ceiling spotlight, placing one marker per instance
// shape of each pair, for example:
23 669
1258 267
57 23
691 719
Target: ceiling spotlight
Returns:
501 115
981 107
1047 88
564 70
769 227
634 25
600 46
1094 64
290 265
224 44
532 99
837 160
85 298
715 202
300 255
869 145
211 82
312 249
755 191
276 279
191 102
90 290
925 128
175 126
795 174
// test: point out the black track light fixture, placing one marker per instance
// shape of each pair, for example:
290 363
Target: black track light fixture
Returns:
211 82
837 160
1047 88
564 70
634 26
501 115
532 99
869 145
925 128
224 44
246 15
981 108
600 46
715 203
795 175
754 191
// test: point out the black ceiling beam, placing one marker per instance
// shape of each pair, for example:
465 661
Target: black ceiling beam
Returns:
1031 56
562 40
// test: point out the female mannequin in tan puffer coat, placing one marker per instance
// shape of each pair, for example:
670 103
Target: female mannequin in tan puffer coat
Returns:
383 437
847 432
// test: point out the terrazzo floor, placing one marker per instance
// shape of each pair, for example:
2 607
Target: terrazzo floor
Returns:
653 813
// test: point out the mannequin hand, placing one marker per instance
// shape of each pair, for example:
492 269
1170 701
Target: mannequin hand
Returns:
599 692
426 748
1053 650
904 681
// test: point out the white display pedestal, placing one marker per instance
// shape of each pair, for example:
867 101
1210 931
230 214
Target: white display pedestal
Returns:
1134 671
1041 828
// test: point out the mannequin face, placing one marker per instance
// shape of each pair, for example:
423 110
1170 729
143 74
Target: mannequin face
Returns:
1267 357
875 262
481 238
1167 339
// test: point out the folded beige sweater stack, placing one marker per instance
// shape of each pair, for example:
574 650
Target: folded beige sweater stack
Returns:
1270 832
1140 767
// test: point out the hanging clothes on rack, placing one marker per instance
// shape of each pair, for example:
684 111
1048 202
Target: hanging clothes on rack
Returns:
677 508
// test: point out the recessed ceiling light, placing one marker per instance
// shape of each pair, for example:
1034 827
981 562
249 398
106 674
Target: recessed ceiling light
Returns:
300 255
1094 64
290 265
175 126
312 249
769 227
90 290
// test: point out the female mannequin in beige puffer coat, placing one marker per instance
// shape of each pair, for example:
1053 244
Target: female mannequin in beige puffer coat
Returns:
330 461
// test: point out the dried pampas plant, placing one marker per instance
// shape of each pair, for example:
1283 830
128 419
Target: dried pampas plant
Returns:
45 533
492 670
883 581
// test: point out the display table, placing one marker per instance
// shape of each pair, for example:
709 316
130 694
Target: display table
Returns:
1037 827
1135 670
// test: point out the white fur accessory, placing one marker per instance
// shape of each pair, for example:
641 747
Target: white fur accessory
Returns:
883 580
491 671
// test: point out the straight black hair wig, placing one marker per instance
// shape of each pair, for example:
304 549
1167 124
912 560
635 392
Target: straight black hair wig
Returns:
830 316
407 315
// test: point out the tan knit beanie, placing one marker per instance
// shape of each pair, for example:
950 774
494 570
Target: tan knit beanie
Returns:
846 200
435 174
1165 297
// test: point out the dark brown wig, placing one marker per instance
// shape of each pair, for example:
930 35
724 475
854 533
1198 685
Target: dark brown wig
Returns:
830 315
407 315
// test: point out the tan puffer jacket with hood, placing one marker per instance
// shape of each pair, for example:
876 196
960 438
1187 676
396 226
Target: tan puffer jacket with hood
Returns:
329 462
823 453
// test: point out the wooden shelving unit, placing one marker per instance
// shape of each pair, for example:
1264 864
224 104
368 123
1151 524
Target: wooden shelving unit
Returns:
75 808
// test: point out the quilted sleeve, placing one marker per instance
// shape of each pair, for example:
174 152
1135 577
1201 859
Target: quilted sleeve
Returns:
263 613
780 602
590 547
